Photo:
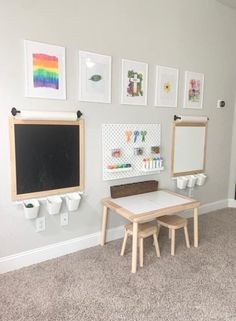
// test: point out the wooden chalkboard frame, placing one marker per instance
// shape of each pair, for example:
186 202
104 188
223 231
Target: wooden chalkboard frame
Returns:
186 124
14 121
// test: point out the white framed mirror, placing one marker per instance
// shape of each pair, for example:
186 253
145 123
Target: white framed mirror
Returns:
188 148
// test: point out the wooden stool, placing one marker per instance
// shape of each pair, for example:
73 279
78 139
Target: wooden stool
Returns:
174 222
144 230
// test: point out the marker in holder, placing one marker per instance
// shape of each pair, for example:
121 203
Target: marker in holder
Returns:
152 163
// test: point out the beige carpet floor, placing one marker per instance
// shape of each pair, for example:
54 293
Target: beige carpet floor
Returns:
96 284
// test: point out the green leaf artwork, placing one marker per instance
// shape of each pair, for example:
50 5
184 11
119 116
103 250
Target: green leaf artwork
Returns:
96 78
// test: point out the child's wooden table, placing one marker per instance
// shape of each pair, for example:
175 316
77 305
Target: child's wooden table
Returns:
146 207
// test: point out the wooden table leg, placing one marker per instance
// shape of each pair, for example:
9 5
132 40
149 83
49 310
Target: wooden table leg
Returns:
134 247
195 226
172 241
104 225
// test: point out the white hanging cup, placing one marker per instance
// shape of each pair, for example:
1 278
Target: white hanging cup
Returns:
192 179
31 212
72 201
54 204
182 182
201 178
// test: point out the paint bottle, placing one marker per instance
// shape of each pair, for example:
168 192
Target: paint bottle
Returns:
161 162
152 163
155 162
144 163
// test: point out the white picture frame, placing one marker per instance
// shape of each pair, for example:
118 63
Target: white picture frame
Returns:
166 90
134 82
44 70
193 90
94 77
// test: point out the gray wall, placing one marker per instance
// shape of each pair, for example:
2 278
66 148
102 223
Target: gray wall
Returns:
187 34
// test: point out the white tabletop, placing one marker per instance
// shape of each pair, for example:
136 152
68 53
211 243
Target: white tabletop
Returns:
142 203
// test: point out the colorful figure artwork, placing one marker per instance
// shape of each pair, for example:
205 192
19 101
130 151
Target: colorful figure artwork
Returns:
45 71
194 87
134 82
135 85
194 90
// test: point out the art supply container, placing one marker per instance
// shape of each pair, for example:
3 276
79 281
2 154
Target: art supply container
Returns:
201 178
54 204
192 179
31 212
72 201
182 182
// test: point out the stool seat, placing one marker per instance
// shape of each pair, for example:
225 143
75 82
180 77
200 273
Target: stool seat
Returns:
174 222
144 230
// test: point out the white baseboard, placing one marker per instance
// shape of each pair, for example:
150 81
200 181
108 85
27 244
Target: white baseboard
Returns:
218 205
210 207
19 260
232 203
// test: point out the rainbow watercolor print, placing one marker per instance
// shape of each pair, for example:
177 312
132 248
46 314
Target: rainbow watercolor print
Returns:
45 71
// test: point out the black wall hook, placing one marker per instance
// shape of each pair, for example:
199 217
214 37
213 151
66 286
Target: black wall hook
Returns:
79 114
176 117
14 111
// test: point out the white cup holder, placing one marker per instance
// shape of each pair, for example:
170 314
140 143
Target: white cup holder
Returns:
31 208
201 178
72 201
192 179
54 204
182 182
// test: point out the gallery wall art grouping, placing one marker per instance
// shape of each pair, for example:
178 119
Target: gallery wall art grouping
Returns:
45 77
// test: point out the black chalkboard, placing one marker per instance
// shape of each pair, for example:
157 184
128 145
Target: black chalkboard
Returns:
47 157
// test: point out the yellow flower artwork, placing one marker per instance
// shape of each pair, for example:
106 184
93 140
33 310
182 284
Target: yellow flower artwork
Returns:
167 87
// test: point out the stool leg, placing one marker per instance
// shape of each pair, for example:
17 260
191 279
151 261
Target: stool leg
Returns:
158 229
141 252
172 241
158 232
124 244
186 236
169 233
156 244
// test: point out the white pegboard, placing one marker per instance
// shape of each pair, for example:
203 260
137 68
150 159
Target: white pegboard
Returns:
114 137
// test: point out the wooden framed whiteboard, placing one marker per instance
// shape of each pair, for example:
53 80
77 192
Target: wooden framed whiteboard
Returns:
188 148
